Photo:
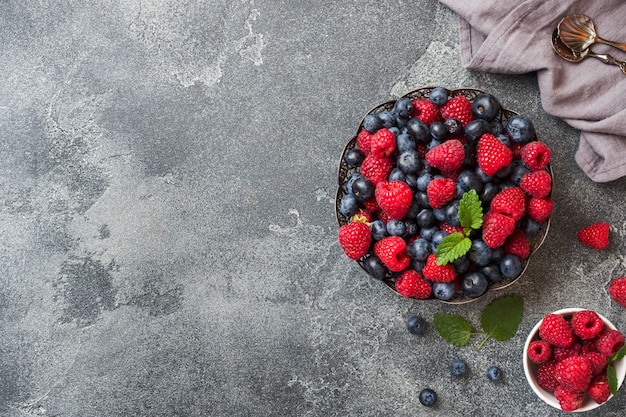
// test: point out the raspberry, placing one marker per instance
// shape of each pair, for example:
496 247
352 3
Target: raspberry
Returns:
376 169
371 205
383 143
496 228
617 291
560 353
363 141
536 155
574 373
448 229
440 192
425 110
595 235
492 155
609 342
518 244
394 197
392 252
448 156
556 331
599 389
569 400
539 351
545 376
586 324
363 215
355 239
537 183
438 273
510 201
597 361
412 285
539 209
459 108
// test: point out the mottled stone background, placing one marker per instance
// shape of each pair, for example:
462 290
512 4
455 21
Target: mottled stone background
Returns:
168 243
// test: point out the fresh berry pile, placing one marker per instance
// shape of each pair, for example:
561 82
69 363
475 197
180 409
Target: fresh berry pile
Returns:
455 191
571 355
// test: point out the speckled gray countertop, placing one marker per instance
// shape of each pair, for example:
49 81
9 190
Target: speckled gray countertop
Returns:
168 241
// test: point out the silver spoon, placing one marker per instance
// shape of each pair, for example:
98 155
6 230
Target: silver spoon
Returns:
578 32
573 56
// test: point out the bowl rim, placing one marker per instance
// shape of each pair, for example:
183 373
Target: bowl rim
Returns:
418 92
530 367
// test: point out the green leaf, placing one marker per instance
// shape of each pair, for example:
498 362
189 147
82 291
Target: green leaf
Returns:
612 377
619 355
452 247
471 211
502 316
453 329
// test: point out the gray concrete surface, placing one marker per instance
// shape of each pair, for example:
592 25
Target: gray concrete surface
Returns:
168 241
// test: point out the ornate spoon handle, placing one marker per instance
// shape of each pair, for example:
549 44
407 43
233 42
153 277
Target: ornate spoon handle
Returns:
608 59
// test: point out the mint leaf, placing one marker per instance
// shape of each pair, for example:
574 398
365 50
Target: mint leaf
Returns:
502 316
470 211
619 355
612 377
453 329
452 247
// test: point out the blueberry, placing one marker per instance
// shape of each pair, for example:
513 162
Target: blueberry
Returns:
426 218
422 198
486 107
414 209
350 180
375 267
428 232
438 236
530 226
452 213
492 272
404 142
482 175
379 230
433 143
468 180
440 214
461 264
403 107
510 266
519 170
520 129
396 174
475 129
497 254
417 265
416 325
387 119
474 284
411 179
496 128
443 290
488 193
418 129
354 157
400 123
494 373
423 180
480 253
348 205
372 123
504 139
438 96
438 131
410 229
428 397
458 367
409 161
420 249
453 126
396 227
363 189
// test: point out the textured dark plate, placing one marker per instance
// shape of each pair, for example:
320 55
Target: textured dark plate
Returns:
345 170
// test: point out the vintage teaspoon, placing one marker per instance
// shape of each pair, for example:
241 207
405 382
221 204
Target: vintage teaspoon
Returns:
578 32
572 56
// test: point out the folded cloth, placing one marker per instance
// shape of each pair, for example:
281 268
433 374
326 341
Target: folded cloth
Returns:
514 37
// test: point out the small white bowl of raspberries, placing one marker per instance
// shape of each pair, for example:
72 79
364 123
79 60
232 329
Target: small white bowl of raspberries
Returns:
444 194
574 359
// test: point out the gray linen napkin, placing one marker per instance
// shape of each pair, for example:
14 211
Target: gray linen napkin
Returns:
514 37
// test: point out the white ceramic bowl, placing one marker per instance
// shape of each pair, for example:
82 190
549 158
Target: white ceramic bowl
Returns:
530 368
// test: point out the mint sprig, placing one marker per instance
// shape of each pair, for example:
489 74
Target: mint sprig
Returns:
499 320
457 244
610 370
